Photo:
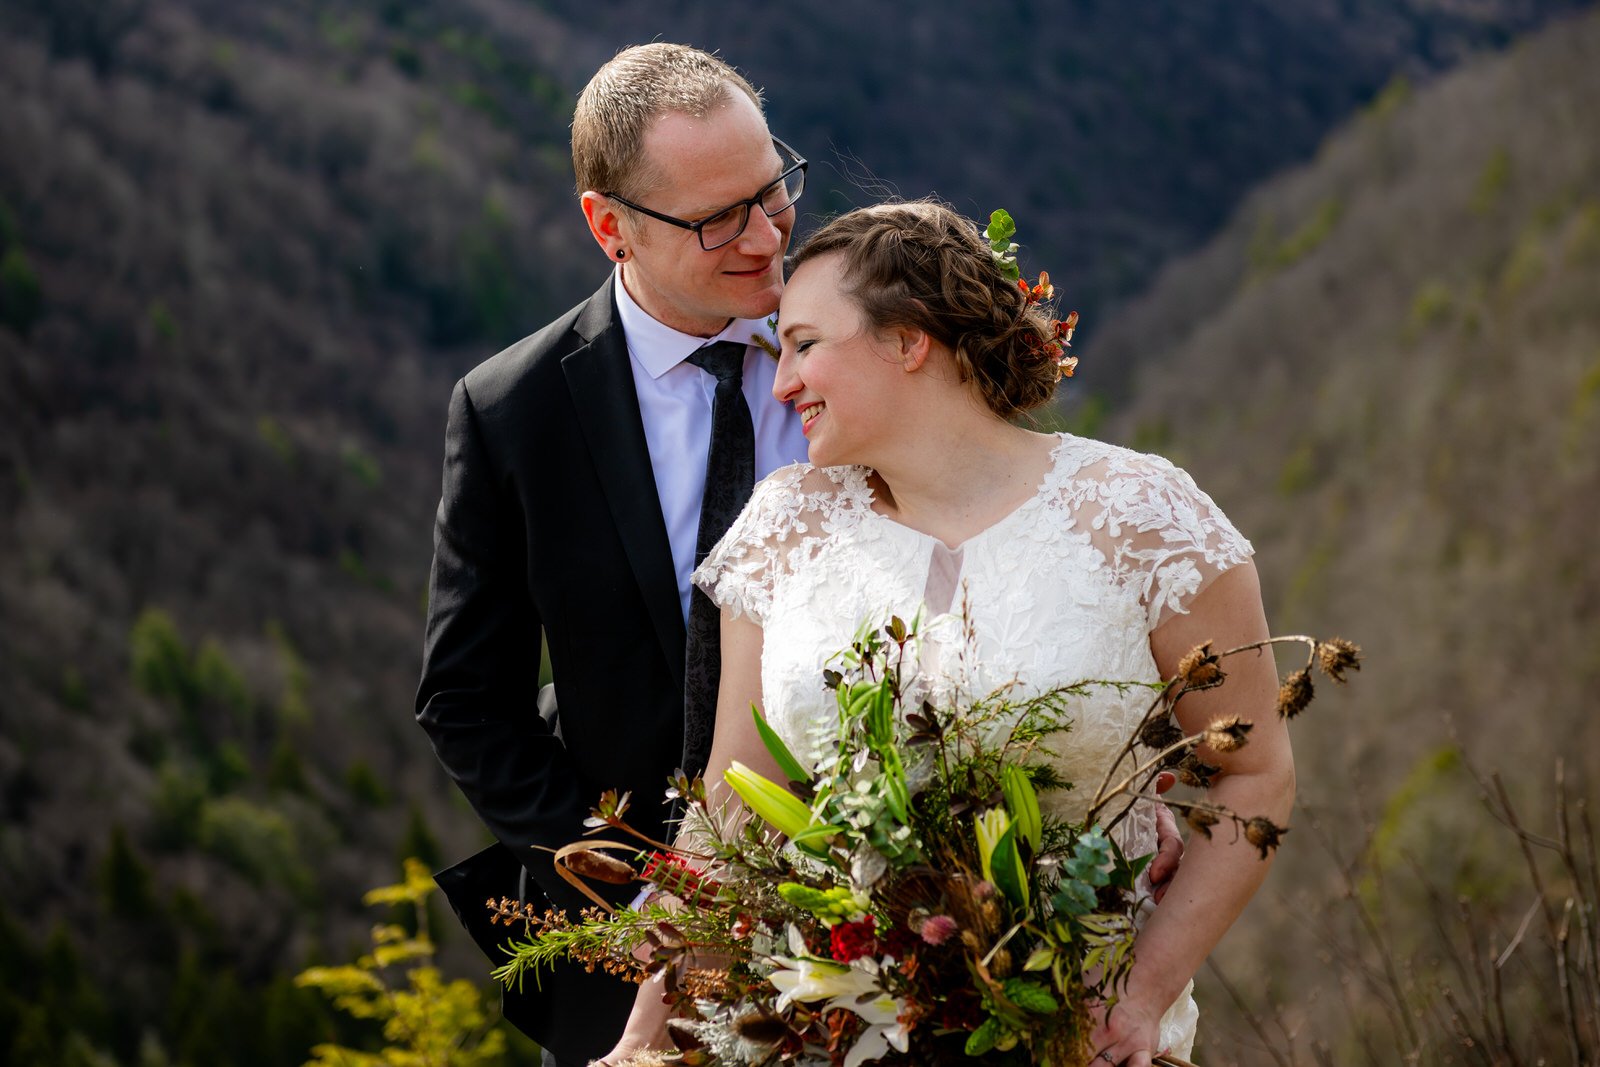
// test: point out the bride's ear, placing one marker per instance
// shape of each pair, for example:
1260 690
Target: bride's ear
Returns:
913 346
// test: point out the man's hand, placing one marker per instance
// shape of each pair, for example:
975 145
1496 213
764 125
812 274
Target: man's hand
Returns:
1169 845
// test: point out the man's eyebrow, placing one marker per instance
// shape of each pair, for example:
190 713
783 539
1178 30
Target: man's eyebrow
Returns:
706 213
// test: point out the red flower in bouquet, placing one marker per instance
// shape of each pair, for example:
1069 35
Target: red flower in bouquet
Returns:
851 941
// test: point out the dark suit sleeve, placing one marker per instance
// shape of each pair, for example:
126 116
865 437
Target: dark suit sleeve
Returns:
480 674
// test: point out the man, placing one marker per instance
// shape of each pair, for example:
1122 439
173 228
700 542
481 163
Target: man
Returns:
587 467
574 473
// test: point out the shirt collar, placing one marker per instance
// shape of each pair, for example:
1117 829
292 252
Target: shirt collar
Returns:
658 348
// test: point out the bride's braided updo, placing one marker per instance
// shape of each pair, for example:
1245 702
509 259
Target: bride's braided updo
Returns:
923 266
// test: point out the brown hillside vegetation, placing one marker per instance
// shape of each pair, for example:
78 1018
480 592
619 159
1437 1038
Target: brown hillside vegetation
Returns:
245 247
1386 368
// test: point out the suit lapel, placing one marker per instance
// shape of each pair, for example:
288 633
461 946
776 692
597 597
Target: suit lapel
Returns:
601 382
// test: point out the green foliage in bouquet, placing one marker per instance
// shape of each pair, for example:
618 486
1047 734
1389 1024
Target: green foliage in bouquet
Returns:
907 899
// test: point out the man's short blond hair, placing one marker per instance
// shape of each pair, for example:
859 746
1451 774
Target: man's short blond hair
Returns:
617 106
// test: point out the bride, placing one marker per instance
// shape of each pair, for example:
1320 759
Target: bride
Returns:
908 354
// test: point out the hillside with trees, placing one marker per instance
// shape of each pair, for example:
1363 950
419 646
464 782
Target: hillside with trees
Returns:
1386 368
245 248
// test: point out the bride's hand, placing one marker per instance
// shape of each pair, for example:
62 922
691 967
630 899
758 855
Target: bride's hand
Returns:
1128 1036
647 1025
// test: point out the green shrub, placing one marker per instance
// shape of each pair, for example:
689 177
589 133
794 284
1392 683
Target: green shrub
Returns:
1431 306
286 771
407 59
125 880
74 690
257 842
1492 182
162 321
276 437
365 786
176 807
1583 244
1390 98
219 682
1524 266
160 660
227 768
1299 471
21 300
1153 435
425 1019
361 466
419 841
1311 234
294 707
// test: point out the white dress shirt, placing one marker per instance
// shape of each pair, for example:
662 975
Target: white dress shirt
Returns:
675 402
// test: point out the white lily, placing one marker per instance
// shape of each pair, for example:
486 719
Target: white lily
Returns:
884 1028
807 980
852 987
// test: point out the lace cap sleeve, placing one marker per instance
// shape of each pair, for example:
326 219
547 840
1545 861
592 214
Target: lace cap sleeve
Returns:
1163 535
789 508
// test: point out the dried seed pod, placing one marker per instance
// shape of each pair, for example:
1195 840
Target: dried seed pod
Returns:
761 1027
1295 693
1196 772
597 866
1264 834
1160 733
1336 656
1229 734
682 1033
1201 821
1199 668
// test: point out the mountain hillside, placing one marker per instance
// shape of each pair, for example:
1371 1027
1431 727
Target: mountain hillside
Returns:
1386 369
245 248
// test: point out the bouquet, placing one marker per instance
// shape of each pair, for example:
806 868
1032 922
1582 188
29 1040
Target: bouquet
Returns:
906 900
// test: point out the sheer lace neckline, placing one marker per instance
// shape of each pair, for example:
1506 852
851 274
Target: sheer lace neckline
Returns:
1052 466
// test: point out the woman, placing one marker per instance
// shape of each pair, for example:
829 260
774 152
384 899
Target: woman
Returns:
908 353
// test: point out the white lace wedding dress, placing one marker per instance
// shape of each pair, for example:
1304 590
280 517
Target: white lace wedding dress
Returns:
1065 588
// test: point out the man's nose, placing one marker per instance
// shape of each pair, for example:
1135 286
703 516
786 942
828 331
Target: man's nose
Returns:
761 235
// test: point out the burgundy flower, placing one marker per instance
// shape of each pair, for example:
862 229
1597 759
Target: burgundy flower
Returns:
851 941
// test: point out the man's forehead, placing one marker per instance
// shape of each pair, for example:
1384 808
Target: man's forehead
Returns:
712 161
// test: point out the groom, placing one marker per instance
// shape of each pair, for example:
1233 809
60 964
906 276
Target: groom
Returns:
587 468
576 464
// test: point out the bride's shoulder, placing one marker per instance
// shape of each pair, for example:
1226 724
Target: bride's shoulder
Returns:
1086 461
808 483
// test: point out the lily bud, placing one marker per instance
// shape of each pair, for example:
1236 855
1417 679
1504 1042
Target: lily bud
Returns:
781 809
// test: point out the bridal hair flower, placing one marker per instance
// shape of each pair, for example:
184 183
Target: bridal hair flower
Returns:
1002 228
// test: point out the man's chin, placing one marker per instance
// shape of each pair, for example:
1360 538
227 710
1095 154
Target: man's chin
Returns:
762 306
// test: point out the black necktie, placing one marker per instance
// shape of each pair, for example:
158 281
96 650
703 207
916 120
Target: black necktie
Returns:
730 475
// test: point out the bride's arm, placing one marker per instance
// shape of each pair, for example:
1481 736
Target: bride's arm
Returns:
735 738
1219 874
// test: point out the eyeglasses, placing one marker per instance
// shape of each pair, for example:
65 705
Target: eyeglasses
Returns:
721 227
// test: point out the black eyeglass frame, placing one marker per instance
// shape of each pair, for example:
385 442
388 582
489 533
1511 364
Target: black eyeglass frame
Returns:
800 164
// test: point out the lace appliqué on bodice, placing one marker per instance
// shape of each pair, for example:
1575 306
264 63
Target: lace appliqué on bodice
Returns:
1067 587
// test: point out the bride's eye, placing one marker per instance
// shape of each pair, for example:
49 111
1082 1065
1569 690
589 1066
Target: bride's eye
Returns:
801 346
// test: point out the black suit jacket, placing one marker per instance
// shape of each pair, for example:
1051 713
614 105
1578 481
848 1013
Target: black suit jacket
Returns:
549 518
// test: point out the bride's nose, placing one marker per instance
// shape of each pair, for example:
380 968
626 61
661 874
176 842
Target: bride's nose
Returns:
786 384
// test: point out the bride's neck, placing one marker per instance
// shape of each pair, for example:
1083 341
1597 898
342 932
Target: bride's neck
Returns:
954 475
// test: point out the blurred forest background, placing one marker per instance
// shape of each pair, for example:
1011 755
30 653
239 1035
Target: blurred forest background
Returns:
1341 258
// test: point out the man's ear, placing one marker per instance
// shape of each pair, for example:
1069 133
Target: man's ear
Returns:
605 223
